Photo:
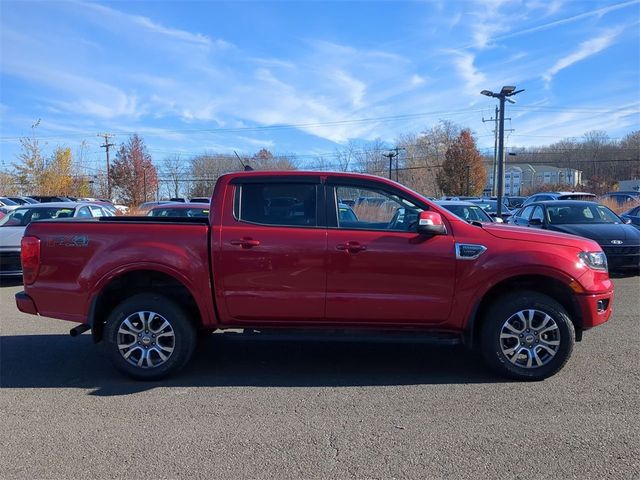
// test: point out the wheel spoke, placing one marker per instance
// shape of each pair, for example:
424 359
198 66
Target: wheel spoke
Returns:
164 325
143 319
162 356
545 322
515 356
122 346
508 335
549 329
530 319
513 329
536 358
128 354
130 326
549 350
553 343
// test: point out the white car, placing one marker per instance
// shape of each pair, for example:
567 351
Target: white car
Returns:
13 225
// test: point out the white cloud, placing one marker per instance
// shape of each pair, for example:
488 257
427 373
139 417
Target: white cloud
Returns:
464 62
586 50
116 18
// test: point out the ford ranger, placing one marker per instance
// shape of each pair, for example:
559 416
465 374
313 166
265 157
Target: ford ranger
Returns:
294 251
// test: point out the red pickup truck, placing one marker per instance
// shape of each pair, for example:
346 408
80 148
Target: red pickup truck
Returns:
335 253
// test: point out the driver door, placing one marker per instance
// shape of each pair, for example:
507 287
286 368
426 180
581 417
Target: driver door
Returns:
380 271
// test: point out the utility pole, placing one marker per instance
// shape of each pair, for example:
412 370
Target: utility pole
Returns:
390 156
106 146
507 91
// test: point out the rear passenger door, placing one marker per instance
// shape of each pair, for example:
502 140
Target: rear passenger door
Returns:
273 259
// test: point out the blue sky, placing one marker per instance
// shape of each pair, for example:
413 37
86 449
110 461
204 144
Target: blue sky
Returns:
305 77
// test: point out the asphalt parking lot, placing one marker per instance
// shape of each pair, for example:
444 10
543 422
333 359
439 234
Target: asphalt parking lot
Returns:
246 409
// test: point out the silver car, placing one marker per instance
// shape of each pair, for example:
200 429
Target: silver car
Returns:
13 225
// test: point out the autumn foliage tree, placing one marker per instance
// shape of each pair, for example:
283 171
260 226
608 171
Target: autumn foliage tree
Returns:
463 172
134 178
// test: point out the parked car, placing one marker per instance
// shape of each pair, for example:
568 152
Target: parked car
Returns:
146 206
468 211
23 200
200 200
179 209
49 198
145 286
13 225
619 240
544 196
3 211
514 202
633 216
621 198
491 207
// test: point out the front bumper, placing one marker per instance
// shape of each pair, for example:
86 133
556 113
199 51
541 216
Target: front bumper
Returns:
26 304
596 308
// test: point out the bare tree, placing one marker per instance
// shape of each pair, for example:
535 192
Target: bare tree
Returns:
174 176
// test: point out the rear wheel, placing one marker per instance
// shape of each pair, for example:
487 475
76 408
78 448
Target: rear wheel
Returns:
527 336
149 337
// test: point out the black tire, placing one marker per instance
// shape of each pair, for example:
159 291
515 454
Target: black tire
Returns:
178 342
505 309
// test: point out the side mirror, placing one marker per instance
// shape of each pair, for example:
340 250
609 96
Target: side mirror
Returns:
627 221
535 222
430 223
498 220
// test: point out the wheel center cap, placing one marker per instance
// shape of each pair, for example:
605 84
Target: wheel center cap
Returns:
529 339
146 340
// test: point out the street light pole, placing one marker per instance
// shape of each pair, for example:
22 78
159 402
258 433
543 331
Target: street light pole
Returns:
507 91
500 192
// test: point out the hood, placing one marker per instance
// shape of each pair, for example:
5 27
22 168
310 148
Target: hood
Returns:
10 237
603 233
512 232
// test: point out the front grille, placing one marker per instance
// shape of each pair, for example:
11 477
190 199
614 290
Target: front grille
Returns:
621 250
10 262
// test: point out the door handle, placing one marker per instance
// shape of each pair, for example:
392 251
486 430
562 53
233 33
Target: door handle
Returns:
351 247
246 242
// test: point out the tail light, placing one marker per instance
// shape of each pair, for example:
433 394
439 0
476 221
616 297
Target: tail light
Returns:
30 257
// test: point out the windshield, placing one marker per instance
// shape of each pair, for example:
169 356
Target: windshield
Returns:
8 201
21 217
179 212
469 213
573 214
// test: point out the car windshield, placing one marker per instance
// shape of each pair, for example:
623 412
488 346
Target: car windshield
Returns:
569 214
8 201
487 205
469 212
179 212
21 217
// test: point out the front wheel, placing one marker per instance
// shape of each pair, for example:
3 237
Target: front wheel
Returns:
149 337
527 336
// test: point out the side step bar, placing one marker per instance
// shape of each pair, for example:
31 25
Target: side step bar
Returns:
419 337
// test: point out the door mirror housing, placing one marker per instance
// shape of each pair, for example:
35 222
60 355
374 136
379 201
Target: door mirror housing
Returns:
431 223
626 221
535 222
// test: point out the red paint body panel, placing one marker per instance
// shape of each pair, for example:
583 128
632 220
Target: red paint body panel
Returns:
400 278
243 274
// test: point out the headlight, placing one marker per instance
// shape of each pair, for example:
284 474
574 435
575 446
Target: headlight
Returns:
595 260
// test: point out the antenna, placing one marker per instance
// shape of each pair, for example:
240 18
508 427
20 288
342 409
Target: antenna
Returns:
246 168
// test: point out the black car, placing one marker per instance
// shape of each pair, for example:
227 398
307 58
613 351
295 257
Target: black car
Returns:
619 240
633 215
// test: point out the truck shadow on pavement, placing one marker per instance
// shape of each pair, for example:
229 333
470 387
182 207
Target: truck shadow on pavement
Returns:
60 361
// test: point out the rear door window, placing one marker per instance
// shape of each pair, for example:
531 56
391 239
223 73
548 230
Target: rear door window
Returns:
286 204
